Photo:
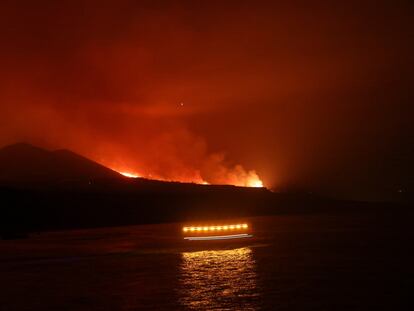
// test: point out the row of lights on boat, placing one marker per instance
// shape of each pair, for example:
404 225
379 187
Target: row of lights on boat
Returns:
216 228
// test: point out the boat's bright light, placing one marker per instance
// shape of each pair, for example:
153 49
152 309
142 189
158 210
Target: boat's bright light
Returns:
214 228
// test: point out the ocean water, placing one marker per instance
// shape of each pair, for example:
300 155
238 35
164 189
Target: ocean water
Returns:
304 262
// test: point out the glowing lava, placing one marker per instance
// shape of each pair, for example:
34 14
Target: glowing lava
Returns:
130 175
248 180
255 182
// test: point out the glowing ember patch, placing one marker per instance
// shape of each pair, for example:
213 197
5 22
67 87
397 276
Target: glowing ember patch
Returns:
255 183
130 175
250 179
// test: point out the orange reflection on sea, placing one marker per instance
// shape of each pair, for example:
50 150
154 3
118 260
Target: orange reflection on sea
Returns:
218 279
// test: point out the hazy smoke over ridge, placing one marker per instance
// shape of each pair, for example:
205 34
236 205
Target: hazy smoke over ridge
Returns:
74 81
150 145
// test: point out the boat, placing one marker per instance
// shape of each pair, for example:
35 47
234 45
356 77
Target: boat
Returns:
217 232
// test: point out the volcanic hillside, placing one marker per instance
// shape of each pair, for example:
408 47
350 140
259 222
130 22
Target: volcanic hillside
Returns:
26 163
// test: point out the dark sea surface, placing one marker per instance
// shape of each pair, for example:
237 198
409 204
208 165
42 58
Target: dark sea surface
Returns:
353 261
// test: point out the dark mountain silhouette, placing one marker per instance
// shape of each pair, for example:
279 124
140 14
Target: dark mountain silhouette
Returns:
26 163
53 190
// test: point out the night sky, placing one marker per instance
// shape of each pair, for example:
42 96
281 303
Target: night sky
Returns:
315 96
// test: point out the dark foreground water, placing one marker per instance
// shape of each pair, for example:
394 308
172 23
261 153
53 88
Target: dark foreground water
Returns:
314 262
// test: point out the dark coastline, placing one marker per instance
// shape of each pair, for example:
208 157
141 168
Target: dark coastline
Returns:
110 202
43 190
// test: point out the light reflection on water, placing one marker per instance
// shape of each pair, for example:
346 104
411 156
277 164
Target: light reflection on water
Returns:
219 279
